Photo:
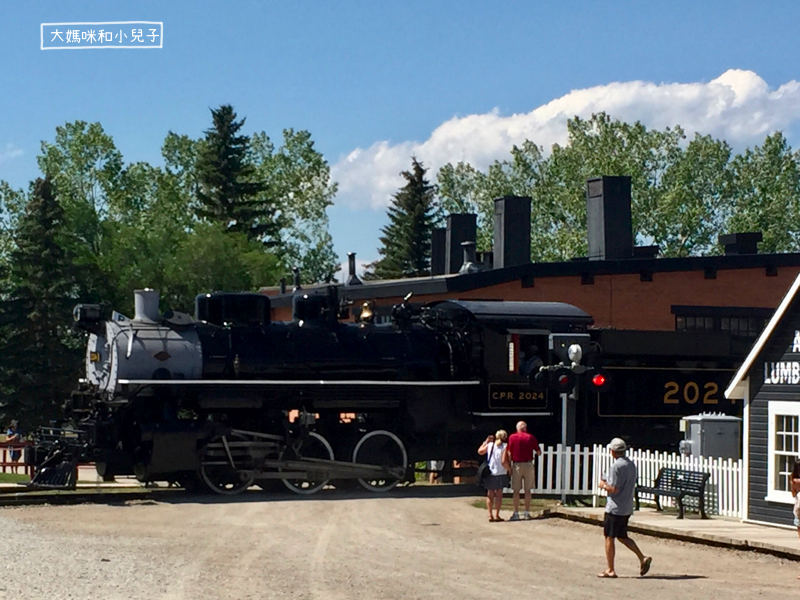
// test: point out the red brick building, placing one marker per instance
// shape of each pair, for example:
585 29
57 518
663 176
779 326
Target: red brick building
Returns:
621 286
674 328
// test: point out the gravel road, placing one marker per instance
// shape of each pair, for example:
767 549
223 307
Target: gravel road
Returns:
413 544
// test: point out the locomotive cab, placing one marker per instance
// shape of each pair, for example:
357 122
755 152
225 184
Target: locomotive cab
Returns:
515 342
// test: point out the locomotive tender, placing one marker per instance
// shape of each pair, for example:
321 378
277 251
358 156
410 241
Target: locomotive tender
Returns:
207 400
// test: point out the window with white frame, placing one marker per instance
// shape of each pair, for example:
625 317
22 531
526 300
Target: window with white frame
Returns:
783 449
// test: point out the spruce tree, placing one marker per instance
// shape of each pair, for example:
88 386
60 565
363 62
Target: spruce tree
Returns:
406 240
228 189
40 354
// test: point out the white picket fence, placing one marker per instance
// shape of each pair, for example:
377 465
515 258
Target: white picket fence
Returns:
583 468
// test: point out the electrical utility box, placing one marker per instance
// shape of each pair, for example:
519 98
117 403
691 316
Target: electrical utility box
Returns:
712 435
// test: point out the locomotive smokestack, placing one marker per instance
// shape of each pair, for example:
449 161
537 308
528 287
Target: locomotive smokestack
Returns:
296 279
352 278
146 303
283 285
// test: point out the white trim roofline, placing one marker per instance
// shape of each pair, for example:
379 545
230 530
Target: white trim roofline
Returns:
737 388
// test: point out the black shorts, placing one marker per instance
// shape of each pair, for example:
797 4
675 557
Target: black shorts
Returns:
496 482
616 526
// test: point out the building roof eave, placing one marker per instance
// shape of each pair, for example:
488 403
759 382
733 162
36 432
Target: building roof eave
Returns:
465 282
737 391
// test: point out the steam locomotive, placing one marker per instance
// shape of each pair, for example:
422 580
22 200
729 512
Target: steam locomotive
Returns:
227 398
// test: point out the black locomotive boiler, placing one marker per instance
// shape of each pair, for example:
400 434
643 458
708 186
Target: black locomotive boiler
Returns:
228 398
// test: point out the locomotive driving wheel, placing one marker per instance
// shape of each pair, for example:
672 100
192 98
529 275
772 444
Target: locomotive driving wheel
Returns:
226 466
382 448
312 446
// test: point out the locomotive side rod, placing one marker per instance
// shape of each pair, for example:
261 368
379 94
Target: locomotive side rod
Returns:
318 468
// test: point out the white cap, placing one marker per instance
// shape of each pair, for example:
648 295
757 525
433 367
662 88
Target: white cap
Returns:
617 445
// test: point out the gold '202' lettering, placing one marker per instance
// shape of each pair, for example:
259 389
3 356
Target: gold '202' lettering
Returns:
690 392
670 390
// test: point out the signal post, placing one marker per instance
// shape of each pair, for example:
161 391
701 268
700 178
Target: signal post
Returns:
566 379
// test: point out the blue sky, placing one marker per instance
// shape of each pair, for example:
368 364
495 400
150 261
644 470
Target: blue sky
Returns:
375 82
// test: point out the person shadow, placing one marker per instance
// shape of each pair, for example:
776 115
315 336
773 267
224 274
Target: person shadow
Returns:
667 577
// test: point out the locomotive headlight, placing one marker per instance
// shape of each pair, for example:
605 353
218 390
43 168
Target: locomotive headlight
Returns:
88 317
94 357
87 313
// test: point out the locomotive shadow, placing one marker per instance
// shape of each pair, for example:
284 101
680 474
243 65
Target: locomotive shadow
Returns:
327 495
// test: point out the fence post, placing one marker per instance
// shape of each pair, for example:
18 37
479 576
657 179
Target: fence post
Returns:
567 470
741 491
559 471
595 474
584 483
540 471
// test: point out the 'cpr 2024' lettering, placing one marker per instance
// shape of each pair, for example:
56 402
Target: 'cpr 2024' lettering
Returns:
690 392
513 395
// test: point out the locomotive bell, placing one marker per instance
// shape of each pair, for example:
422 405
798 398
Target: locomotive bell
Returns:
367 314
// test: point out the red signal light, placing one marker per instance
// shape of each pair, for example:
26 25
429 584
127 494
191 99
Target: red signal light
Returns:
599 380
562 380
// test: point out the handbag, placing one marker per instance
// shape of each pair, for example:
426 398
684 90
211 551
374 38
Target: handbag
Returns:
484 471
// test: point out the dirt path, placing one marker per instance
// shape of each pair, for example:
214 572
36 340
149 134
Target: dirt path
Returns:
396 547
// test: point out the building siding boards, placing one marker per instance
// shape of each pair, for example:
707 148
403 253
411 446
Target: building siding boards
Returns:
775 350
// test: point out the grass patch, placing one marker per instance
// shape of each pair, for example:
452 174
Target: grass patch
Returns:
14 478
508 504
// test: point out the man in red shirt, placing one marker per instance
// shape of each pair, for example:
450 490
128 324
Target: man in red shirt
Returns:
519 452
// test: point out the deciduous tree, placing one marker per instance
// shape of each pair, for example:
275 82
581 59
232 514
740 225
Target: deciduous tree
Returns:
680 192
766 194
299 178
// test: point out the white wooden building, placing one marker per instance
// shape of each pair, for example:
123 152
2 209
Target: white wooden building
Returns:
768 384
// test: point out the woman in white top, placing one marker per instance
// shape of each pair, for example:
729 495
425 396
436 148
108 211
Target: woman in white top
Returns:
493 448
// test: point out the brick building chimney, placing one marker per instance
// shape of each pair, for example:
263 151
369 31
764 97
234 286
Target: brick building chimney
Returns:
512 231
608 218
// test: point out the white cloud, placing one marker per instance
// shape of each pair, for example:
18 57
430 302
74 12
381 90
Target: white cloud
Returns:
737 106
9 152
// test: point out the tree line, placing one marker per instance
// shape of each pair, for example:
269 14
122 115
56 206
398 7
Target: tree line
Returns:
229 211
685 193
226 211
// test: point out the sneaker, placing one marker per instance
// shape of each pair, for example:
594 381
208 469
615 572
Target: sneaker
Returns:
527 516
514 517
